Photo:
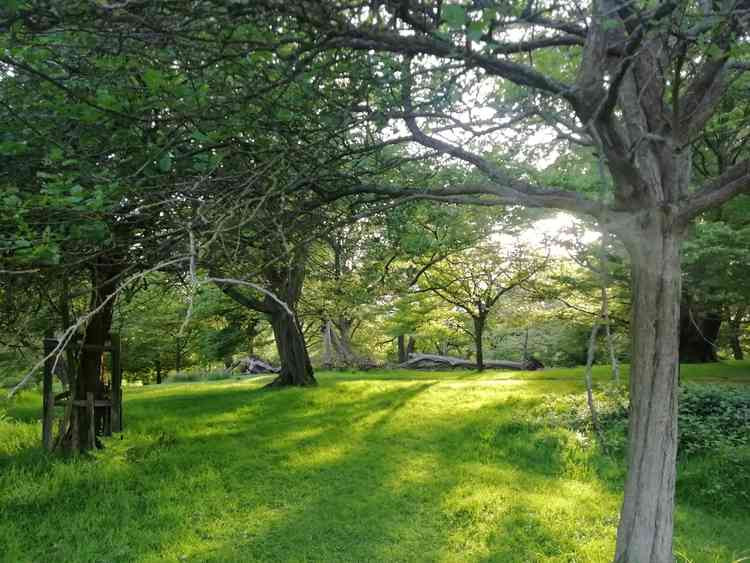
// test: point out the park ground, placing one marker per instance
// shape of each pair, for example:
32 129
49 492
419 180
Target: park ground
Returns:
375 466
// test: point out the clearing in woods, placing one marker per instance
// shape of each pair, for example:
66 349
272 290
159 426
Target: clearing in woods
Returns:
376 466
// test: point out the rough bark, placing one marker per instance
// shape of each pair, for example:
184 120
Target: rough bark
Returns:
178 355
699 331
735 328
411 345
89 377
479 322
279 302
402 357
338 349
645 531
734 342
296 368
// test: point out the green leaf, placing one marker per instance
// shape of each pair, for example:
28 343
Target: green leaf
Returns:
475 31
165 162
454 15
153 78
10 7
12 147
714 51
55 154
200 137
12 200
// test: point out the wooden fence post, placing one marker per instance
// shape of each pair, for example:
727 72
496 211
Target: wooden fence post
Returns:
75 439
91 416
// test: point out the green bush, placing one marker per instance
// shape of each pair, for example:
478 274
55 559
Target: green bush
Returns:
714 450
186 377
720 481
712 418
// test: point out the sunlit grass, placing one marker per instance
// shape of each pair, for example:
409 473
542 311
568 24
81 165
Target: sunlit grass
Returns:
376 466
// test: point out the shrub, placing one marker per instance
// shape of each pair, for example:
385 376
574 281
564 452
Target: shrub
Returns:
711 417
185 377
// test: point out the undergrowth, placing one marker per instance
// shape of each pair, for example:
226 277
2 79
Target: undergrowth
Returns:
713 428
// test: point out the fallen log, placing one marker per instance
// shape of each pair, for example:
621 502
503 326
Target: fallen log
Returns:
431 361
253 366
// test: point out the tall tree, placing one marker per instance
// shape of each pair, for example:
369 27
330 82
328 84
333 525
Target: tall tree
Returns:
638 81
474 281
161 106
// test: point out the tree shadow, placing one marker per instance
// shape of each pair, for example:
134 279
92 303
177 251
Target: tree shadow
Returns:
394 497
342 472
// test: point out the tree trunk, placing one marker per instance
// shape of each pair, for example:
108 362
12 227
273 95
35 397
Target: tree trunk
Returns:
698 333
296 368
401 349
478 340
645 531
178 355
89 379
337 345
735 324
734 341
347 352
411 345
158 373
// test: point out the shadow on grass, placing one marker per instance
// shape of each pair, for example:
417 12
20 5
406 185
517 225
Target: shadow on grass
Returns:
399 470
252 474
399 501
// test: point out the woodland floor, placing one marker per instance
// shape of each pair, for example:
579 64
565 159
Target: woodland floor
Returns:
376 466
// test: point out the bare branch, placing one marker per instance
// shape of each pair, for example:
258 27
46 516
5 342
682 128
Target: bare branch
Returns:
734 181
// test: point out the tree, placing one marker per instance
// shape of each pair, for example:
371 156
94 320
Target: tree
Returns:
423 322
418 236
149 321
475 279
717 246
341 290
716 257
157 122
638 82
70 207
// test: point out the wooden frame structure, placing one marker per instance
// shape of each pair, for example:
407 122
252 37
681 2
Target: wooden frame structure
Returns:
109 408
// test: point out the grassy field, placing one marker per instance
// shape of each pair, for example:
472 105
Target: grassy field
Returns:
376 466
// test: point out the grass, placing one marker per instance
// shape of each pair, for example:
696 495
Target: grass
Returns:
375 466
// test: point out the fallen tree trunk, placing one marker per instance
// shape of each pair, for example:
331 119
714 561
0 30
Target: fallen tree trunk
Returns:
253 365
428 361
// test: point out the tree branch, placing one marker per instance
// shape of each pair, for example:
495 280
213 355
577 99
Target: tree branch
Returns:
734 181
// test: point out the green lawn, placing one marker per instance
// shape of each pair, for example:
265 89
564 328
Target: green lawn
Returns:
376 466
